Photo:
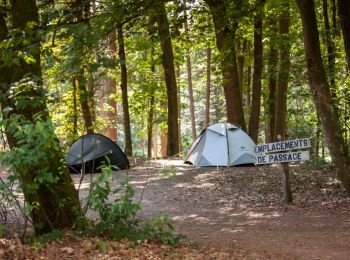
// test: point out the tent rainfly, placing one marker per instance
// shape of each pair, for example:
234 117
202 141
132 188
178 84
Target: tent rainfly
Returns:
221 144
91 151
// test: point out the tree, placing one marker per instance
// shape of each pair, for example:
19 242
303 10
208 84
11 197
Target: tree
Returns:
254 119
170 78
111 90
344 17
225 35
283 75
124 88
189 79
321 93
272 74
45 180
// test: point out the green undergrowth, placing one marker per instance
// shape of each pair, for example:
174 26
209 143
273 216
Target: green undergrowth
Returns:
118 210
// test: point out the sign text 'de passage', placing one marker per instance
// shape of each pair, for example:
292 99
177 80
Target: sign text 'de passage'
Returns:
282 157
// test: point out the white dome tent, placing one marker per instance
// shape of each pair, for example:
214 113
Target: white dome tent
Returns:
221 144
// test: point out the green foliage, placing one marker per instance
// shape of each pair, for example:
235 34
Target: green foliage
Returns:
2 230
161 230
117 213
52 236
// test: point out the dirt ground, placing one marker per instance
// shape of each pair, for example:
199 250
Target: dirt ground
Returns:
241 210
225 213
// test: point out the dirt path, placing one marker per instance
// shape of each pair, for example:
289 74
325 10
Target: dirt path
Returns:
241 209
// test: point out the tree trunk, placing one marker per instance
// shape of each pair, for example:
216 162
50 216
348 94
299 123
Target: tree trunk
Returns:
225 36
344 17
150 127
155 142
124 88
254 119
321 92
56 203
150 116
84 94
283 74
330 47
249 79
84 102
207 92
272 71
75 109
189 79
240 63
111 91
170 80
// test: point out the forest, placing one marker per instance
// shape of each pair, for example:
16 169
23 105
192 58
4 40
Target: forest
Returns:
151 75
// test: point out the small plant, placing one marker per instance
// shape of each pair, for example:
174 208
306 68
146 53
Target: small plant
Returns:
321 162
117 211
161 229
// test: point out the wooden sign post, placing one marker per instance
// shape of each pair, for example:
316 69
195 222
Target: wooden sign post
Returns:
283 152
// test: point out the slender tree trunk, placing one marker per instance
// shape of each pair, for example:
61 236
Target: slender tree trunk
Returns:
150 117
56 204
280 132
155 142
344 17
124 88
207 92
225 36
111 91
75 109
170 80
84 102
163 142
178 74
150 127
283 74
272 71
189 79
240 63
249 79
84 94
330 47
254 119
321 92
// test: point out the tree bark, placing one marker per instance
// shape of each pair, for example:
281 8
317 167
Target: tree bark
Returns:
330 47
84 94
283 75
150 116
344 17
225 36
57 203
321 93
170 79
207 92
84 102
240 64
272 71
111 91
75 109
150 127
124 88
254 119
189 79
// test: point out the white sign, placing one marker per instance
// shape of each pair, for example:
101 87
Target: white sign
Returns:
283 146
282 157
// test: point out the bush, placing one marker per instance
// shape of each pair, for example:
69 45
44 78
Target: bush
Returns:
117 213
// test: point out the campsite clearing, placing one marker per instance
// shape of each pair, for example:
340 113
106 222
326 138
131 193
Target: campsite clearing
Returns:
241 211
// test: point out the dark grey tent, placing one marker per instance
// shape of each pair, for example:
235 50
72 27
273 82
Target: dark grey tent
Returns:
91 151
